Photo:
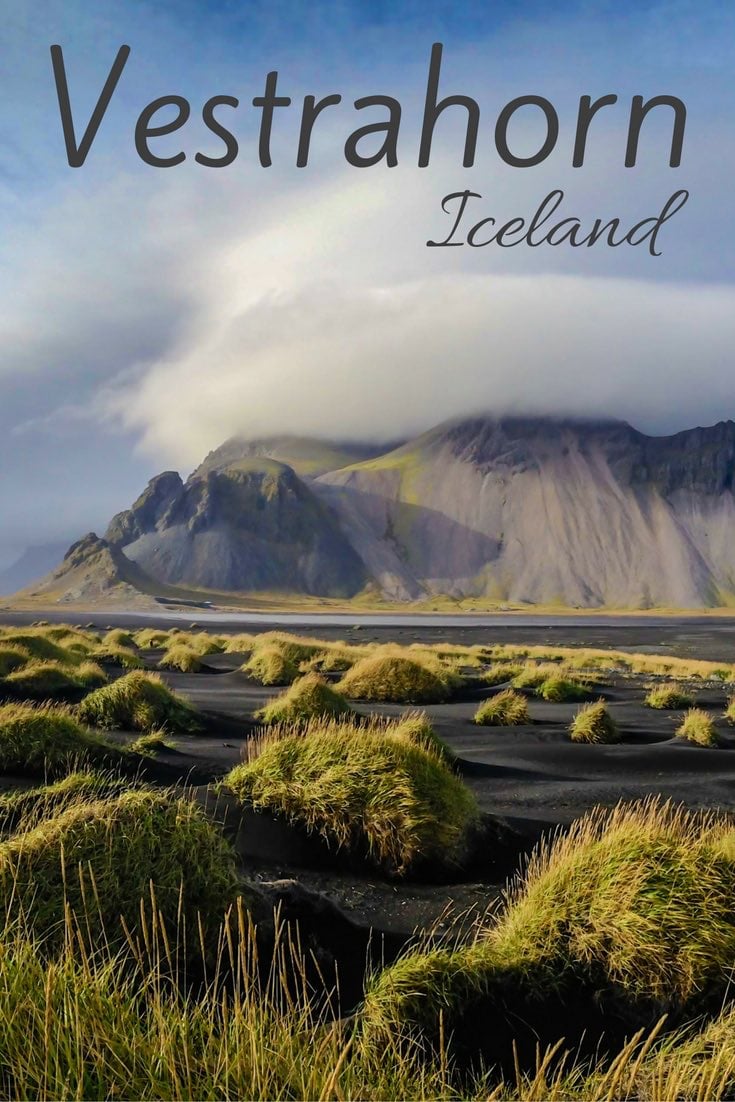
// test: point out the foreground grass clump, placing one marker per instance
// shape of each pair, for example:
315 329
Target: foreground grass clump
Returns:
379 797
28 807
41 680
729 713
506 709
307 698
698 727
48 737
632 911
100 859
138 702
181 657
558 689
668 696
395 680
593 723
270 666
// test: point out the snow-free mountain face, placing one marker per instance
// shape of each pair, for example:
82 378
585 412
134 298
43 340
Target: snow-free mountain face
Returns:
532 509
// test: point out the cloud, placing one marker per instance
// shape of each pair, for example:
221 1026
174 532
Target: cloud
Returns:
384 361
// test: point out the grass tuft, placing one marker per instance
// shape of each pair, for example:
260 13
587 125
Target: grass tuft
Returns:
365 792
390 678
559 689
506 709
138 702
593 723
698 727
270 666
307 698
48 737
181 657
669 696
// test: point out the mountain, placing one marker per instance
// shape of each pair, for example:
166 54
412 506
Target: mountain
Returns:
93 571
32 564
545 511
512 509
255 525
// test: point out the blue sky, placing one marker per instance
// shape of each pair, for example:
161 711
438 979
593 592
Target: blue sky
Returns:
146 314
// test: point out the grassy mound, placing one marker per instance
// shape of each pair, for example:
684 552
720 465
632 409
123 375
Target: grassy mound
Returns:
48 737
270 666
668 696
505 709
12 657
181 657
729 713
307 698
40 680
559 689
101 858
393 679
370 794
116 655
138 702
611 914
698 727
593 723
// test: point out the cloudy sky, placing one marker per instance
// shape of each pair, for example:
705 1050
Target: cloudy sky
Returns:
147 314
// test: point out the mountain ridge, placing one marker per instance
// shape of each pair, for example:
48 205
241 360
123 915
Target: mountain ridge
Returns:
536 510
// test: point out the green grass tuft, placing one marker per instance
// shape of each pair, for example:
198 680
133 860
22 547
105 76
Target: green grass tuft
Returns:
151 744
500 672
506 709
559 689
181 657
26 808
41 680
388 677
307 698
138 702
593 723
668 696
116 655
364 792
698 727
100 859
270 666
48 737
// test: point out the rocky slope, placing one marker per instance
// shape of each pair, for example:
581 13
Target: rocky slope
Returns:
537 510
548 511
93 570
